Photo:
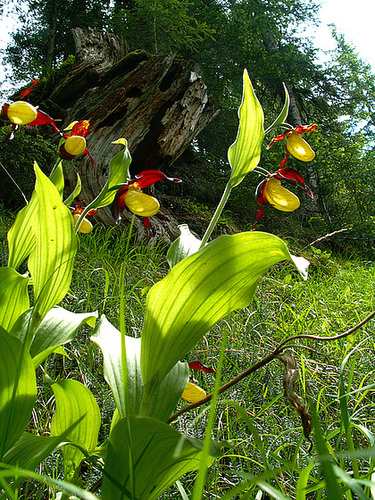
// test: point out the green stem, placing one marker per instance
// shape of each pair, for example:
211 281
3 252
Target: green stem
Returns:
82 216
217 214
124 367
129 235
200 480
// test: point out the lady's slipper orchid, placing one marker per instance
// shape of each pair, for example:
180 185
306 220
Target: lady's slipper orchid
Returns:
24 113
299 148
132 197
193 393
21 113
295 144
75 142
271 191
85 225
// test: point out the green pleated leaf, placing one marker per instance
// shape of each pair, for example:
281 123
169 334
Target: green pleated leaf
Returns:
186 244
198 292
118 174
109 340
58 327
17 390
74 402
51 261
145 464
57 178
168 393
14 297
164 399
244 153
30 450
21 237
75 192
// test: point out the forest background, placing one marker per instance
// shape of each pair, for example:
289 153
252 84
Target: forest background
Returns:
224 37
267 38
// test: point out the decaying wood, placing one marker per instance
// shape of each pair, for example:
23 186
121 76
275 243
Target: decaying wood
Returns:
290 377
158 103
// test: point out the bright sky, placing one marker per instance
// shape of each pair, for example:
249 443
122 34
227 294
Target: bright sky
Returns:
354 19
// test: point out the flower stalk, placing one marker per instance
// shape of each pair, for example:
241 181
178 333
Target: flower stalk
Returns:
217 214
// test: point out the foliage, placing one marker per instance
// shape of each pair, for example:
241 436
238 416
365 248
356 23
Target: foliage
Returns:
160 26
141 455
223 37
44 40
17 157
145 387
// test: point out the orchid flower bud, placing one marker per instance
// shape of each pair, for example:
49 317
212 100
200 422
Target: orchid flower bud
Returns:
21 113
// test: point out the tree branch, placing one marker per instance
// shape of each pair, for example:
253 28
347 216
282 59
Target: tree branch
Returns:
270 357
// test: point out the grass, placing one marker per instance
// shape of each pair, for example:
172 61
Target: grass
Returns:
336 378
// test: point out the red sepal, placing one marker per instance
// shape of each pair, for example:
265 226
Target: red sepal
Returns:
87 152
279 138
81 128
259 192
118 205
301 129
197 365
146 222
284 160
294 178
4 111
26 92
148 177
44 119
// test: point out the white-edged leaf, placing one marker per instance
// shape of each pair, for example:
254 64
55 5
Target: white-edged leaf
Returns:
283 113
118 174
75 192
57 178
165 397
186 244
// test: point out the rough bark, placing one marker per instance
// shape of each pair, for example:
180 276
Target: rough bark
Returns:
158 103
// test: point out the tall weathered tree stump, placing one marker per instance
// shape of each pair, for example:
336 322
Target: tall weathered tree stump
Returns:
158 103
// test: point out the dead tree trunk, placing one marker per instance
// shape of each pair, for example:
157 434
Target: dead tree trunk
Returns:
158 103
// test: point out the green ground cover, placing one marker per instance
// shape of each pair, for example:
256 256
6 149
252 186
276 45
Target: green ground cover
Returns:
337 295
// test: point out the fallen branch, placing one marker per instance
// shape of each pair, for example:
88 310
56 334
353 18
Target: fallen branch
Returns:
263 362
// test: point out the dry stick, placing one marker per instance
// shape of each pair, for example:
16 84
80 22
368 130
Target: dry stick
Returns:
265 361
326 236
15 183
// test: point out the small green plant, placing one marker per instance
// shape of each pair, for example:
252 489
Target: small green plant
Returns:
143 455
